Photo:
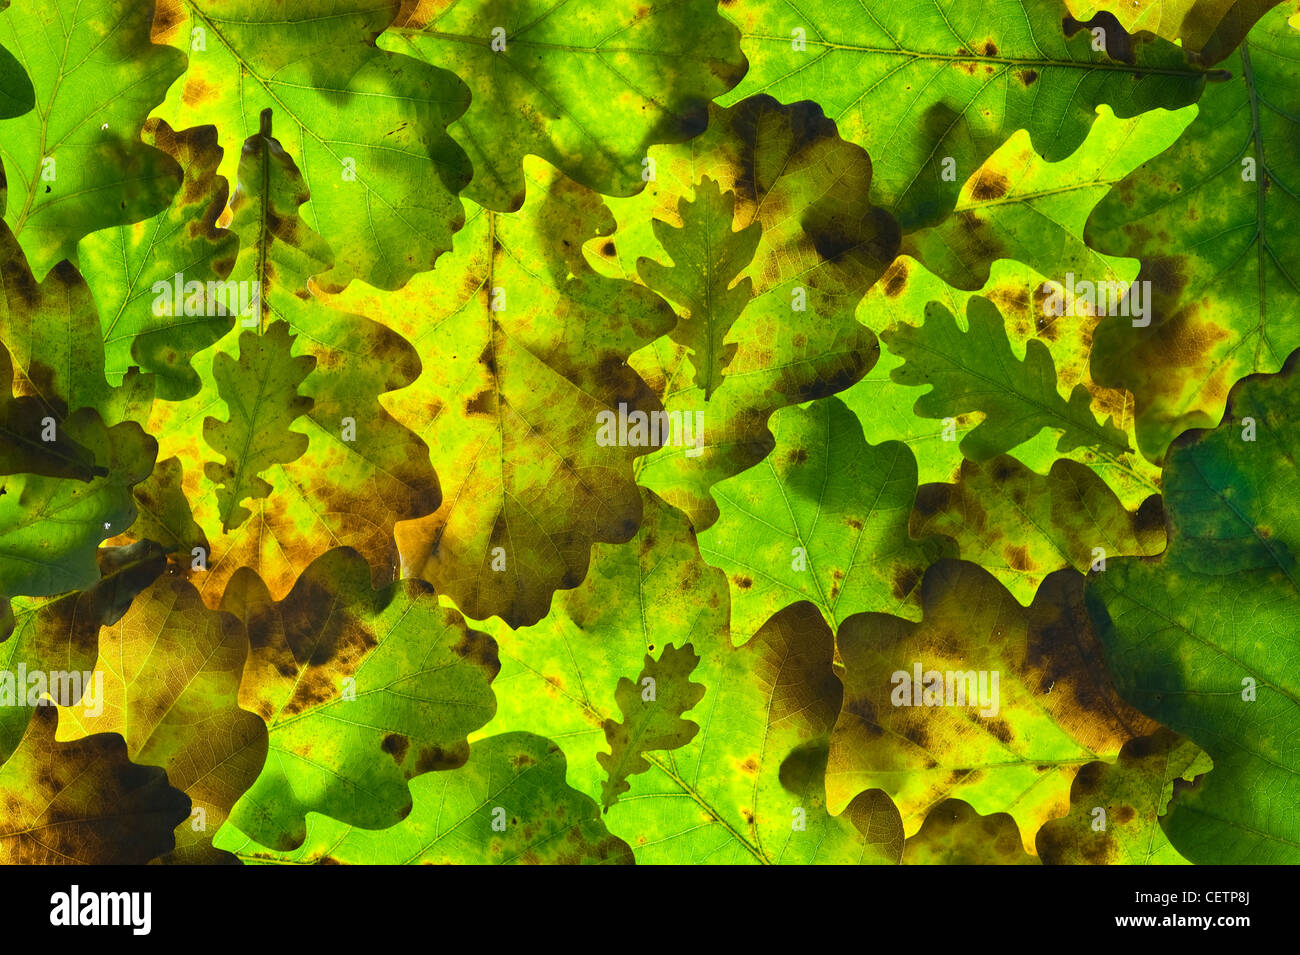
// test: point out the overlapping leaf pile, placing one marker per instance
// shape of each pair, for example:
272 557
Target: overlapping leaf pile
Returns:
660 432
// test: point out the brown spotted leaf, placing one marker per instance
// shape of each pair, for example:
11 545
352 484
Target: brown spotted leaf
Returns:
1021 525
1211 28
525 351
170 671
821 246
955 834
932 88
1213 221
340 472
367 125
61 633
1008 704
361 690
1115 808
83 802
163 514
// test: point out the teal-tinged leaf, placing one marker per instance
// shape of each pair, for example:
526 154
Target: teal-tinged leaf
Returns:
1205 638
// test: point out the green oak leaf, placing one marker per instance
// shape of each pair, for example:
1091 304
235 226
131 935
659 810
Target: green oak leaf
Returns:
361 690
1013 747
944 83
122 265
170 671
823 518
261 394
515 780
1213 221
955 834
976 369
820 248
650 722
368 125
1021 525
1018 206
772 698
525 351
587 85
1133 793
83 802
888 411
164 515
61 633
76 162
735 791
51 331
360 471
1204 637
50 528
707 256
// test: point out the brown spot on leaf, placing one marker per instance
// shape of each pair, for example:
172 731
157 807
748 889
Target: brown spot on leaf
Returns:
395 745
1100 850
166 17
197 91
895 279
1018 557
990 185
999 728
483 403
